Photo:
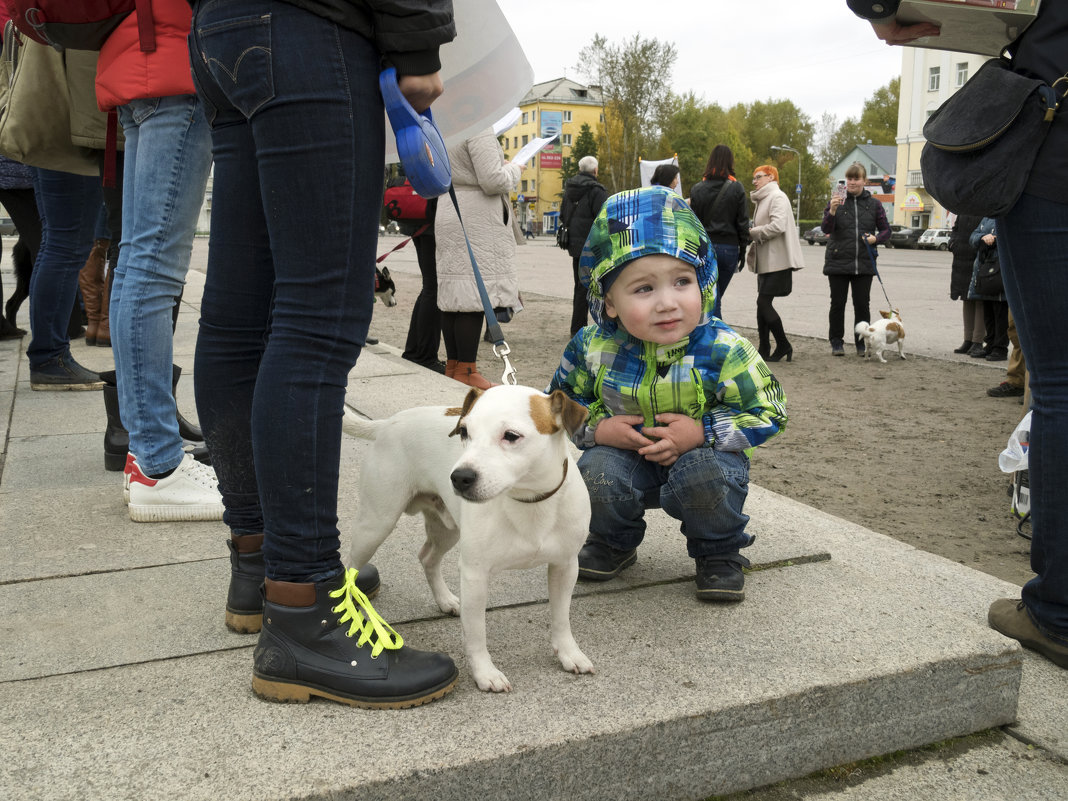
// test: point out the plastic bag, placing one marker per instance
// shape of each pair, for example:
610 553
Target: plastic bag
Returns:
1014 457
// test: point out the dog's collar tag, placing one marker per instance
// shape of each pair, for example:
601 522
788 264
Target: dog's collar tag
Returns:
544 495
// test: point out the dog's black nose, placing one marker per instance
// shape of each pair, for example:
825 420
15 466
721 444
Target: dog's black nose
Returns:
463 478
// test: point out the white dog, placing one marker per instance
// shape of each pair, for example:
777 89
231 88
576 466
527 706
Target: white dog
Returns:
496 476
878 336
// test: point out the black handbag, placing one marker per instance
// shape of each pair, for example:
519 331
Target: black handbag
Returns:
988 281
563 238
982 142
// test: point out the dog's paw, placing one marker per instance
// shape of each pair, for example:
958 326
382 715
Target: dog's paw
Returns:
491 680
574 661
902 355
448 603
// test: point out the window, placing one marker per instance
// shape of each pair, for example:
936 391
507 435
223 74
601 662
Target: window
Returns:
934 79
602 119
567 116
533 184
526 115
915 178
525 137
515 142
524 186
565 139
962 74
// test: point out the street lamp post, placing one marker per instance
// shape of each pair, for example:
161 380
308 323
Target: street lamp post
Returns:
798 152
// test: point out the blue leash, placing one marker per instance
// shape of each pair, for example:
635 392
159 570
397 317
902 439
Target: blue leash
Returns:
500 347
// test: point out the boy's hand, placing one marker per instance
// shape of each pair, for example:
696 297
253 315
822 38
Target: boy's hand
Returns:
618 431
676 436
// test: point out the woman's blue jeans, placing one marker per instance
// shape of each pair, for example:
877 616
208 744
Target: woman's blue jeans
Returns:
298 138
1032 244
166 163
68 205
705 490
727 266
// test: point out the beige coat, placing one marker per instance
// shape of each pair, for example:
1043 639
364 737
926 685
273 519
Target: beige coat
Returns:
774 233
482 180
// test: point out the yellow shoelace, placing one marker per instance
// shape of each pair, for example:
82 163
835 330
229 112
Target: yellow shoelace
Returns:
364 619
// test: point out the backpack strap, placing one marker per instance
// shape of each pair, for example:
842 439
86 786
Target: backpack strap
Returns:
146 26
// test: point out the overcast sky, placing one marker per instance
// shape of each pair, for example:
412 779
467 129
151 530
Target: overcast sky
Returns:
813 52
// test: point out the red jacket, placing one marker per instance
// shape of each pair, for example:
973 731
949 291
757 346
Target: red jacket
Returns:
125 73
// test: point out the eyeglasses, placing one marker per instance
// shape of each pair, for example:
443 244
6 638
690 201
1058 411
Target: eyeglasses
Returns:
760 175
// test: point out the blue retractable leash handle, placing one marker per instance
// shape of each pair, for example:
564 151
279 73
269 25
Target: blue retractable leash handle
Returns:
426 164
419 143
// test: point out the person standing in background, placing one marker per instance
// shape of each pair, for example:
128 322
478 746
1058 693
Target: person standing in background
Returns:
720 203
583 197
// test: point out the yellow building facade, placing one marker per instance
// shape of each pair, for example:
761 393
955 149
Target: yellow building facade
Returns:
562 106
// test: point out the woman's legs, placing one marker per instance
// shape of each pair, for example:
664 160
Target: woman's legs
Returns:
1032 241
424 330
726 266
861 291
68 206
839 286
166 163
579 306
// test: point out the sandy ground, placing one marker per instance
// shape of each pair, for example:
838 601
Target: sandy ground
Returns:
907 448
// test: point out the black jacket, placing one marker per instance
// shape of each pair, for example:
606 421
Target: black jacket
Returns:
858 216
729 225
407 32
960 275
583 198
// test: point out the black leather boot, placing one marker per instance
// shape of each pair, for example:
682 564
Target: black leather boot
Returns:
327 640
763 339
244 598
782 344
188 431
116 438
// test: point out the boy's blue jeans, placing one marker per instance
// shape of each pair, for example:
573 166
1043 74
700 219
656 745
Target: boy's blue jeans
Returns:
298 137
165 171
705 490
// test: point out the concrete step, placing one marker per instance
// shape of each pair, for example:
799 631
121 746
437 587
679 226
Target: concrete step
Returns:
119 681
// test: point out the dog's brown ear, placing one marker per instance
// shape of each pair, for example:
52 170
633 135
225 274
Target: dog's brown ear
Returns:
570 413
469 401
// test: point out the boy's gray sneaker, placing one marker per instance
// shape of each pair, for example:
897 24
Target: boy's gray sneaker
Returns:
63 373
600 562
720 577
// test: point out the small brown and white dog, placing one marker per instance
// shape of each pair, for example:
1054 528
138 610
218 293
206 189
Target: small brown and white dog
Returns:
495 476
879 335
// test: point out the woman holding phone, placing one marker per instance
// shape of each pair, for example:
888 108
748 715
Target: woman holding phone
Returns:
856 223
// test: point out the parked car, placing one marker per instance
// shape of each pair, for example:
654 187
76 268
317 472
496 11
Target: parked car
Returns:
7 228
935 239
902 237
814 235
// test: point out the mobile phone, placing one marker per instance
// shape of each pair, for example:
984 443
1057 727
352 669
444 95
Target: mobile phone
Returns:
840 190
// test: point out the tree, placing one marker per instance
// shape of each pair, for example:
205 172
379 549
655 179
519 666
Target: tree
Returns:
877 124
585 145
634 78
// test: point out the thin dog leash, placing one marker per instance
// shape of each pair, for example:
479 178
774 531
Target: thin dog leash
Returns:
500 347
871 255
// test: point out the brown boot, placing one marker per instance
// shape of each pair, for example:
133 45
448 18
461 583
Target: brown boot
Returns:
91 282
467 373
450 368
103 332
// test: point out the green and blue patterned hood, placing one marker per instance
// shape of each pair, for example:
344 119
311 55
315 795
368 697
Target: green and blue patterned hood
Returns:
644 222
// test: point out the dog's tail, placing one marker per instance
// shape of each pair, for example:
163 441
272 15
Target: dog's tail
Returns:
863 328
359 427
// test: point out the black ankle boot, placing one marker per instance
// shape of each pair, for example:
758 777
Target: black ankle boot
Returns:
326 640
782 344
116 438
244 598
186 430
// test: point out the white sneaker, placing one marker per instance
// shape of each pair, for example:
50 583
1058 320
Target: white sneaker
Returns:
189 493
127 471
